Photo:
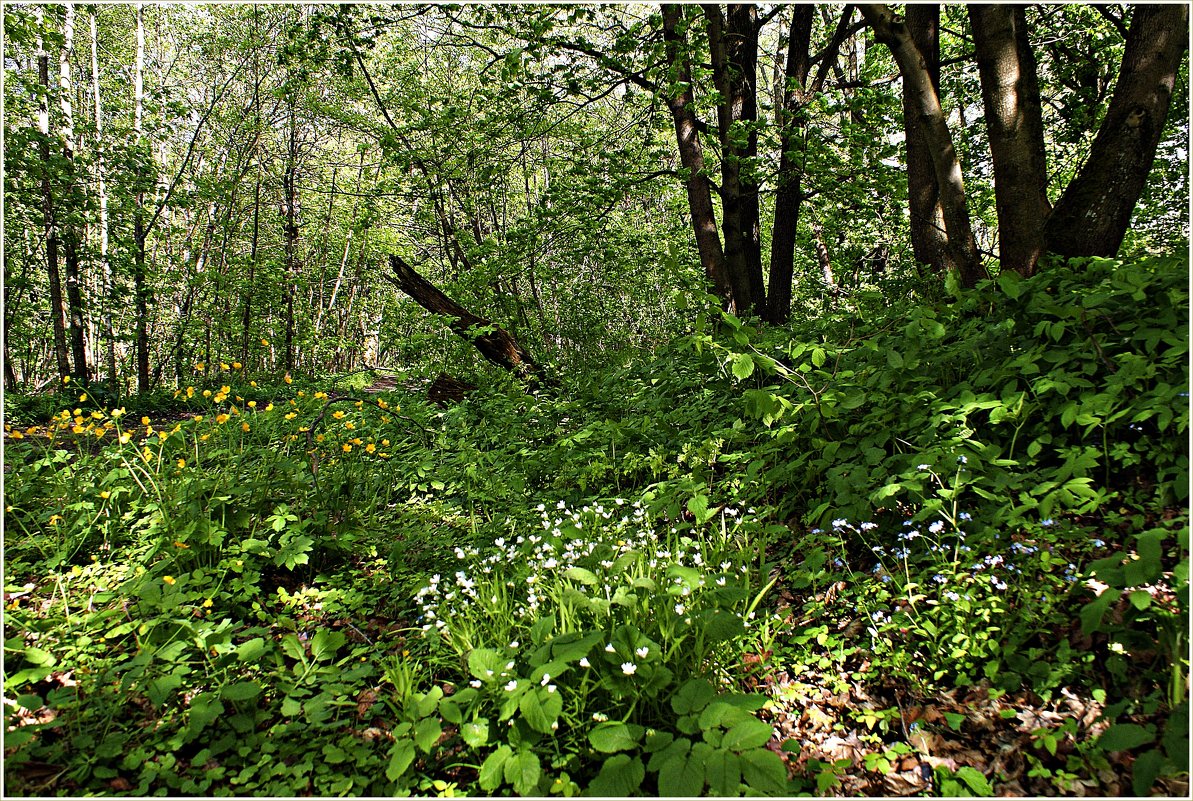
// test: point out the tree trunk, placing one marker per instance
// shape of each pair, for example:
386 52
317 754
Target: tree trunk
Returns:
789 194
140 284
1011 98
290 232
50 223
1092 216
493 342
935 133
928 239
102 194
733 45
691 154
70 230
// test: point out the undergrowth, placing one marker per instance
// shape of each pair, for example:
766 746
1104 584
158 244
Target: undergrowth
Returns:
266 588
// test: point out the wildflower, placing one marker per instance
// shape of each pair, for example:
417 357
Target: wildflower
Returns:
962 460
629 668
1048 522
252 404
65 379
923 467
546 680
642 652
144 421
370 448
382 404
337 414
584 662
1099 544
168 579
245 427
54 519
105 495
511 686
221 418
207 604
475 683
182 545
291 415
965 516
680 609
288 379
610 649
350 426
200 366
207 393
181 463
347 447
936 527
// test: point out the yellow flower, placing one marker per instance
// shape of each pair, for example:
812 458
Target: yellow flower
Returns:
288 379
207 604
245 427
54 519
105 495
347 447
385 443
224 366
168 579
265 342
125 437
78 429
318 395
200 366
240 399
235 365
182 545
252 383
83 397
269 408
117 413
144 421
382 404
207 393
370 448
204 438
19 435
65 379
182 463
198 418
252 404
148 430
99 432
318 438
190 392
221 419
349 425
338 415
359 404
291 415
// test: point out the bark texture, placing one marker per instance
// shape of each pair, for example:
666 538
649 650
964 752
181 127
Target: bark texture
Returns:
493 342
934 131
1011 98
691 153
1092 216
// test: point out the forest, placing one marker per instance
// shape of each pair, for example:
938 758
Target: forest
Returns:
595 399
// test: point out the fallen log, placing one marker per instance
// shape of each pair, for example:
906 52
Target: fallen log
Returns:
494 343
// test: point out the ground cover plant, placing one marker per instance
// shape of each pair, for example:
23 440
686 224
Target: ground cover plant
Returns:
773 563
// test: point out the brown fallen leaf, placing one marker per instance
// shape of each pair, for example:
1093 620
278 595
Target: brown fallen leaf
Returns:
364 702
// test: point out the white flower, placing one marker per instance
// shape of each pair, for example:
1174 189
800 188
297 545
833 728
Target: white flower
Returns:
513 685
476 682
546 679
551 688
509 665
514 644
680 609
629 668
642 652
584 662
610 649
721 581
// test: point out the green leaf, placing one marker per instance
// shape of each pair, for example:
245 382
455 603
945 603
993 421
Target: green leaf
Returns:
241 691
1147 767
325 643
693 696
763 771
818 357
976 782
681 776
743 365
205 708
614 736
476 733
620 776
427 733
1124 737
723 771
485 664
581 575
292 647
698 506
894 358
750 733
523 771
400 758
493 768
541 708
251 650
